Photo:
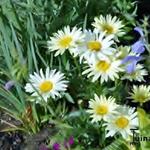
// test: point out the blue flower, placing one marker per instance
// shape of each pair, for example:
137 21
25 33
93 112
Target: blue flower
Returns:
131 59
8 85
138 47
131 67
139 30
131 63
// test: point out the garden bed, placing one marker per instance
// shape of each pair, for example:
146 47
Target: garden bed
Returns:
74 75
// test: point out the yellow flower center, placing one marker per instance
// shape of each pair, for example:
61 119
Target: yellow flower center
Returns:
102 66
141 97
65 41
101 110
94 45
108 29
46 86
122 122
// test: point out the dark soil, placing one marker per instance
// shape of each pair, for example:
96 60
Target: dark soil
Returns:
10 141
20 141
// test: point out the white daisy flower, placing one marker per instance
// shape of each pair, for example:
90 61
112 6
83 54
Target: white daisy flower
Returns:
140 94
110 25
65 39
123 122
101 107
137 75
104 69
95 45
48 85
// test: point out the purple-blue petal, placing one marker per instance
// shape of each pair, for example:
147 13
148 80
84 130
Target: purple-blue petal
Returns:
8 85
139 30
56 146
43 147
71 141
131 67
131 59
141 50
138 47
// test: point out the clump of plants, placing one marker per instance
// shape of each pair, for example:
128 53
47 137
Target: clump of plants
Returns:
74 78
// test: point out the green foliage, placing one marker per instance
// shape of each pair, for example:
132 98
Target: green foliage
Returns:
118 144
144 121
127 9
25 27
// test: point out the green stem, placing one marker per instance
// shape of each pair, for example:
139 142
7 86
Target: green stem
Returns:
77 65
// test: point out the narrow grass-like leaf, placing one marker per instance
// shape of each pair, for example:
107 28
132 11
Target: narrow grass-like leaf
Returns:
34 112
33 54
18 47
12 99
118 144
68 97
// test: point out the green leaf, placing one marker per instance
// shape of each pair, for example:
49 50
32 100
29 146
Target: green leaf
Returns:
144 121
69 98
34 112
9 12
118 144
8 96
